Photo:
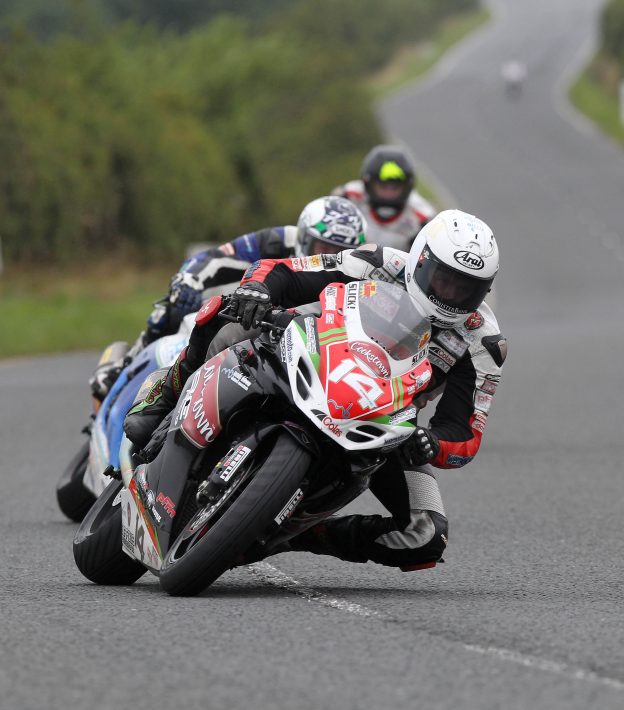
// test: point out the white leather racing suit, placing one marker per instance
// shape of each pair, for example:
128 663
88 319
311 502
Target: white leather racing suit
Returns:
467 363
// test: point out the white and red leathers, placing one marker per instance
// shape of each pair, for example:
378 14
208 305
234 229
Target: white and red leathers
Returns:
467 362
397 231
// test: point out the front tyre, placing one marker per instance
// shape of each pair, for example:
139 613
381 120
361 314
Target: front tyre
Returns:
73 497
97 545
201 554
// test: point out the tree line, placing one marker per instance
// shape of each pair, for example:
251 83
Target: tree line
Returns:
145 134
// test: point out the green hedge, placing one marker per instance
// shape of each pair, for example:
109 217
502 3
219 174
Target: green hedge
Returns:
140 137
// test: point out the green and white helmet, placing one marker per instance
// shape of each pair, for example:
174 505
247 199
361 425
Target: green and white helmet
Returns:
328 225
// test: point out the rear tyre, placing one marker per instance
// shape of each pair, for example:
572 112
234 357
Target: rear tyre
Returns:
73 497
97 545
202 553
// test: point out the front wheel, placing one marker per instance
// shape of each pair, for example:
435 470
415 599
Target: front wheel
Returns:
73 497
205 549
97 545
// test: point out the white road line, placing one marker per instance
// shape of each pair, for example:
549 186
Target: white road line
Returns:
542 664
276 578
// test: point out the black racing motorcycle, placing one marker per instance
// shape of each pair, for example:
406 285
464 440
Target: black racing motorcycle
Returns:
268 438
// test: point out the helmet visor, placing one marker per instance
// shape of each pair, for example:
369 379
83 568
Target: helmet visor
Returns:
388 193
447 288
338 239
320 246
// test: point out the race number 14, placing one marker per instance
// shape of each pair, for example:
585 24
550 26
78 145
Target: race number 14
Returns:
365 386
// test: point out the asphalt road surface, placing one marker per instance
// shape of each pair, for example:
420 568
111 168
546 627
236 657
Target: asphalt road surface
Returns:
527 610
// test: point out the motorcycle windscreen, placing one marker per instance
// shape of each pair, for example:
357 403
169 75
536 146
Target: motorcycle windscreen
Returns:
392 319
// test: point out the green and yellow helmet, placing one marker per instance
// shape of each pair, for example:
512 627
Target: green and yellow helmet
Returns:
384 167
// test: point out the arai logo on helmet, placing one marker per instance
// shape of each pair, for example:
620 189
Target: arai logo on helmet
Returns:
468 259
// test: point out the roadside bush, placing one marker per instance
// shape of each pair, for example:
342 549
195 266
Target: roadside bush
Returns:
612 29
146 139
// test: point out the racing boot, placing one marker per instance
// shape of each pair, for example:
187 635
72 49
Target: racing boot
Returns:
162 396
360 538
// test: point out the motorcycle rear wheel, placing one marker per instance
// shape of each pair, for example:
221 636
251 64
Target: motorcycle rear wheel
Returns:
73 497
198 557
97 544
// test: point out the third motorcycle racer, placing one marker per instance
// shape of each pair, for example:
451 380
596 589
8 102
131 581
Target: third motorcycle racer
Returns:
385 194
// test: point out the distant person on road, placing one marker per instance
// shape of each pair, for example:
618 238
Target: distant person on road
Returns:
385 194
211 271
513 73
448 272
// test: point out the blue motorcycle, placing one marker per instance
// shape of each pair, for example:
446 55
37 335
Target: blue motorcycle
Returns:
83 479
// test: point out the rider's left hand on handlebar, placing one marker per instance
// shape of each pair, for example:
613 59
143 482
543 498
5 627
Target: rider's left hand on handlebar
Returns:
250 303
422 446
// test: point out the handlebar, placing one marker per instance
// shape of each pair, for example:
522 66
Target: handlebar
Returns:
265 325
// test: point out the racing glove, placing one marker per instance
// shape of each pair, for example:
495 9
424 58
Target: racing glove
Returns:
185 293
250 302
421 448
104 378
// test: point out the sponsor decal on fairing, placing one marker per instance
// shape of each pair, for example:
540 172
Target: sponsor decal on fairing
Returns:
352 295
138 537
368 289
310 328
235 375
186 402
331 292
372 356
288 339
201 426
404 416
420 379
167 504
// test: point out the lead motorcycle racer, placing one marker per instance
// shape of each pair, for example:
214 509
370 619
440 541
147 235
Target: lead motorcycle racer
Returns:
448 272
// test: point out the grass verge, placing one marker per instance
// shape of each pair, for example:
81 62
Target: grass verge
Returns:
61 310
594 93
413 61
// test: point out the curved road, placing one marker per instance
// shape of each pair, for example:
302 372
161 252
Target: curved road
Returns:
527 611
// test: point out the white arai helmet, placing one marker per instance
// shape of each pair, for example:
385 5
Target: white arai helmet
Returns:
451 267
